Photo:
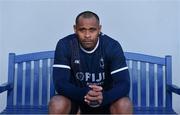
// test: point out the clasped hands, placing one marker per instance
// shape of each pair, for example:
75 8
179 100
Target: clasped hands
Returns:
94 96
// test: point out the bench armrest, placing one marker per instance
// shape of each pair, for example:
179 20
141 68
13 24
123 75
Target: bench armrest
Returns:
5 87
174 89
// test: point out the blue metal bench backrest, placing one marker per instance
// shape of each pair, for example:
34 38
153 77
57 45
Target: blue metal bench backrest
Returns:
149 77
33 86
31 77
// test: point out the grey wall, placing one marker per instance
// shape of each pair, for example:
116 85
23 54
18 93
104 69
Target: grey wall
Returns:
144 26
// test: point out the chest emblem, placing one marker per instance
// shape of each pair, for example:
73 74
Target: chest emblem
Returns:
101 63
77 61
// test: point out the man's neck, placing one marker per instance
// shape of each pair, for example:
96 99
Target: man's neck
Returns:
90 50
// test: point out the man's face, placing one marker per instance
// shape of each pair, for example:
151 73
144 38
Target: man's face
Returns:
88 30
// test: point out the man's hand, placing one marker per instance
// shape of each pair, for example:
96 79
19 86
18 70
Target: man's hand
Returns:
94 96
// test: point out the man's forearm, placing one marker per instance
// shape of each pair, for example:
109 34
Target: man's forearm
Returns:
120 88
64 87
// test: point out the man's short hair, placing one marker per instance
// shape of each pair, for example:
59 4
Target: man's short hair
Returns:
87 14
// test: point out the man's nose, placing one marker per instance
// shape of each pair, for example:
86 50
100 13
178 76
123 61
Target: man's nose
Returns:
87 34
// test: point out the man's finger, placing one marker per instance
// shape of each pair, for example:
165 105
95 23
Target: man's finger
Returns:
90 97
87 101
96 88
93 93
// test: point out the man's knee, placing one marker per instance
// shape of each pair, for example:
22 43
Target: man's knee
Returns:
59 104
123 105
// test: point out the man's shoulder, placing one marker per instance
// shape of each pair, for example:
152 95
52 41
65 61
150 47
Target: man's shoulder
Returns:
68 38
108 41
65 42
110 46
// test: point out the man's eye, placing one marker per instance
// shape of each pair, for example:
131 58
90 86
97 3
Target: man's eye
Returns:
92 29
82 30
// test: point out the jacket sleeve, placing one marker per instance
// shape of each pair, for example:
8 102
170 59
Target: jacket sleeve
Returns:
120 75
62 75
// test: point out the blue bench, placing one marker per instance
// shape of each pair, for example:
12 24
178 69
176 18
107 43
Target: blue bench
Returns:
30 86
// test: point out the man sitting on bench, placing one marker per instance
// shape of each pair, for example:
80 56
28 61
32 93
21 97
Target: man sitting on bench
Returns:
90 71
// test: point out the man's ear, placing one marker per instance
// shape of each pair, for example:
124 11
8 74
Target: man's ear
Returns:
100 26
74 28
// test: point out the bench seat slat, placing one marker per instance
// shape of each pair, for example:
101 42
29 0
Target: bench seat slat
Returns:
151 85
160 85
44 81
135 83
28 83
19 84
36 83
44 110
143 84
